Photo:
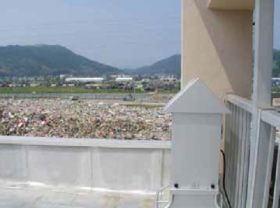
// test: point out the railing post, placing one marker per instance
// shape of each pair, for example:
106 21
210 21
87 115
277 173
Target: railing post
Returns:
277 181
261 139
264 11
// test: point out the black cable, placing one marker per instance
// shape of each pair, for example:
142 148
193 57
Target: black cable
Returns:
224 177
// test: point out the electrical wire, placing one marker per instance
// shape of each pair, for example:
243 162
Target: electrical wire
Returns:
224 177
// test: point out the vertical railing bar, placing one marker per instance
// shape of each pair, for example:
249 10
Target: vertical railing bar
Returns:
246 158
227 140
276 194
236 132
231 156
269 166
238 156
242 156
228 147
235 152
231 153
243 144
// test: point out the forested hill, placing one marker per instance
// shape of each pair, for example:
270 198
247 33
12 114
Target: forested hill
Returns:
168 66
41 60
276 63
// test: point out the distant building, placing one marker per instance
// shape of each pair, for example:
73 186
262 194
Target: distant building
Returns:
124 79
12 85
84 79
275 81
34 85
168 79
62 76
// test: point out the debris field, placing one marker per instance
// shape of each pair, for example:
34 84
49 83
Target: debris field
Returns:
82 119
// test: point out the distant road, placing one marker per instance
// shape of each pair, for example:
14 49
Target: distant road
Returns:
97 96
143 97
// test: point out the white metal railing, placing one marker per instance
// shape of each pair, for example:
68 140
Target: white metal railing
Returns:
277 180
238 147
164 198
237 139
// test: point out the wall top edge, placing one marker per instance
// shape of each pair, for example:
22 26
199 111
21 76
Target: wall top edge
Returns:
71 142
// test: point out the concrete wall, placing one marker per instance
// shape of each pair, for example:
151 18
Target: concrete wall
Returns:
217 47
106 164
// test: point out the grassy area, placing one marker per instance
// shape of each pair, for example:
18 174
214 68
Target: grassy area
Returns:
275 89
275 92
11 90
40 90
173 91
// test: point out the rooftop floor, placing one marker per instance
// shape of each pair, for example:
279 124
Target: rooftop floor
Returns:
25 196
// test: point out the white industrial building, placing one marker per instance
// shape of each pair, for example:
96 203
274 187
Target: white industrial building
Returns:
84 79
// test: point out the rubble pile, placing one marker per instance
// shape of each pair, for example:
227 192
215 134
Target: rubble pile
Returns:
82 119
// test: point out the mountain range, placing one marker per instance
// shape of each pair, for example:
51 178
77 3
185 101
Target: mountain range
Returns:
276 63
43 60
168 66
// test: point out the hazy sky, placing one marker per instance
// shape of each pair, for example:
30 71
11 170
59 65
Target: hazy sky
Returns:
123 33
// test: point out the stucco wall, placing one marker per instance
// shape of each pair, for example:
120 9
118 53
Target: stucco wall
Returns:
217 47
232 4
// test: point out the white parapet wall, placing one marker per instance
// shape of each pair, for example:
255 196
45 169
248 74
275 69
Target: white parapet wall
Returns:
135 165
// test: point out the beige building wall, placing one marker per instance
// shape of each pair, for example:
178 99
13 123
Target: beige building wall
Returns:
217 47
232 4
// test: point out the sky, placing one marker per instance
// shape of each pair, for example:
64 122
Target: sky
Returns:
122 33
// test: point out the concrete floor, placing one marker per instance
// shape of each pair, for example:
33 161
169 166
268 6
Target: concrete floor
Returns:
23 196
